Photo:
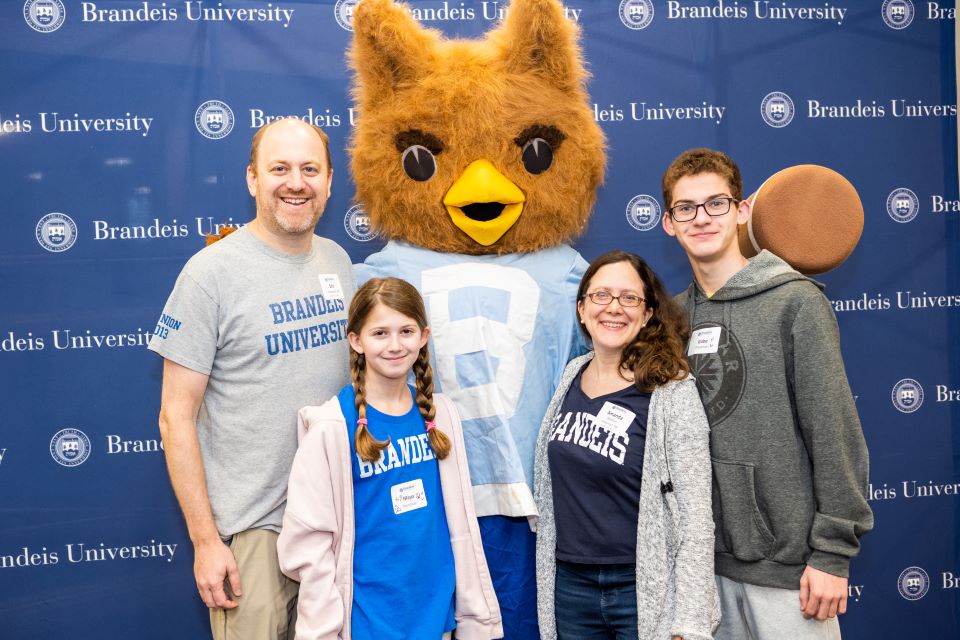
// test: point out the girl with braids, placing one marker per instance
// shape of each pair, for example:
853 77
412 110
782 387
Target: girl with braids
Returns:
380 527
622 474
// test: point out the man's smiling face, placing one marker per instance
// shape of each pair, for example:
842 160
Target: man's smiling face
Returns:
291 180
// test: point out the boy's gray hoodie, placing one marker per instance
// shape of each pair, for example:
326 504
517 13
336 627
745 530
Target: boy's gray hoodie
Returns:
789 459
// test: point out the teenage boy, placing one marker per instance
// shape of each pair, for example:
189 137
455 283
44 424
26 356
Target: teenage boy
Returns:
789 458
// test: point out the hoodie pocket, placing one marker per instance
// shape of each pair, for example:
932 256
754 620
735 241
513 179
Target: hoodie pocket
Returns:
741 528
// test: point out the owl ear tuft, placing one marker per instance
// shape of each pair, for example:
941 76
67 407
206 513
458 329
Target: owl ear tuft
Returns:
389 49
536 37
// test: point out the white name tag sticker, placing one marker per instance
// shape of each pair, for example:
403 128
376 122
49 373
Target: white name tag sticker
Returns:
408 496
613 417
704 341
330 285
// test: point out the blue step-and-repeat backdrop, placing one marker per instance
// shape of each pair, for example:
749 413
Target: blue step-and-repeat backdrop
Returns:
124 132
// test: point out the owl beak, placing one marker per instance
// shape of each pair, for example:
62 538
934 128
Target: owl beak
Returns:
484 203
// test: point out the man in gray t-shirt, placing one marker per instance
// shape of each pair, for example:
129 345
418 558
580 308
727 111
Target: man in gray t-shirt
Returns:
254 329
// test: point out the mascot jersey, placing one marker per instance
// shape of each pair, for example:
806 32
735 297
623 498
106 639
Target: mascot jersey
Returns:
503 328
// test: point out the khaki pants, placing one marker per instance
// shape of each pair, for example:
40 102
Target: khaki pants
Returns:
268 607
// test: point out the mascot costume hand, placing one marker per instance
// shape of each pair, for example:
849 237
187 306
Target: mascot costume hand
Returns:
479 160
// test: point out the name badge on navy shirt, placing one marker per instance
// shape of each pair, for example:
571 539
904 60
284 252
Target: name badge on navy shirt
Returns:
408 496
330 285
613 417
704 341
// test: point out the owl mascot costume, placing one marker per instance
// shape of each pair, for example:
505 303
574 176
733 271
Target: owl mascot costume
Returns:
479 160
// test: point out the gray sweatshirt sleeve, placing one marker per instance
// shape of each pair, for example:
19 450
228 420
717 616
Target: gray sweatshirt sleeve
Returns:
831 431
688 454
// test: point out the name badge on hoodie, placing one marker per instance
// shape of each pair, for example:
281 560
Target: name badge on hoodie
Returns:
704 341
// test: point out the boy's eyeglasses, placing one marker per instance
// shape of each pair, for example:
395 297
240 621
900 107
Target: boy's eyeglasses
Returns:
687 211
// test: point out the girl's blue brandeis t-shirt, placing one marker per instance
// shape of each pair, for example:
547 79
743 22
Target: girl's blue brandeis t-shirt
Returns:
403 571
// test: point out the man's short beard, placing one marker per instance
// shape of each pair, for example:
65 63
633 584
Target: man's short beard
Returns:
289 228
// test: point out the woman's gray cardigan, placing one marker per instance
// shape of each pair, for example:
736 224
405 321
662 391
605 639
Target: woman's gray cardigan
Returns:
676 592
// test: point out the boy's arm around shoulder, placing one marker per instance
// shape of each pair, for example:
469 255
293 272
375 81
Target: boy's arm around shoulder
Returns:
313 523
477 611
688 454
831 431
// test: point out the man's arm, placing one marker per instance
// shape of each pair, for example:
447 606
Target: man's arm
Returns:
834 439
182 394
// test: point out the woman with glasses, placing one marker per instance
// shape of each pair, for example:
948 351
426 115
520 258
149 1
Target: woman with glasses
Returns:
622 473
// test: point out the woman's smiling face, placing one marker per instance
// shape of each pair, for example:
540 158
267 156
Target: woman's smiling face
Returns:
613 326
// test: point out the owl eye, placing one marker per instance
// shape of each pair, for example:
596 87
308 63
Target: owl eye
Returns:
537 144
537 156
418 163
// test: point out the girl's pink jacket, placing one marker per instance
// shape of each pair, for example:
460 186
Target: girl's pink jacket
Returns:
316 542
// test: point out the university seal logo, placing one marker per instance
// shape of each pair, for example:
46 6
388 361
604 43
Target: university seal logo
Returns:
214 119
343 12
777 109
903 205
721 376
70 447
357 224
56 232
44 16
636 14
907 395
897 14
913 583
643 212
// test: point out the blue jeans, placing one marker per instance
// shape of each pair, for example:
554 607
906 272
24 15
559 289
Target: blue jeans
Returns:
596 601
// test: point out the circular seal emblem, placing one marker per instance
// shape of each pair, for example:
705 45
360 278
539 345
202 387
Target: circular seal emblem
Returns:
636 14
343 12
214 119
897 14
903 205
643 212
907 395
357 223
721 375
913 583
777 109
44 16
56 232
70 447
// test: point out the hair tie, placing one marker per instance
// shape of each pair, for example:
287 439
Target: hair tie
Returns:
362 421
430 425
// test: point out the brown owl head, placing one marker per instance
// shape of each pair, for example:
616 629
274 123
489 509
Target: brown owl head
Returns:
474 146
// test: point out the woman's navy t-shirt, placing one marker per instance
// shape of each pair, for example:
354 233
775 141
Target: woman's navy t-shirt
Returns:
596 464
